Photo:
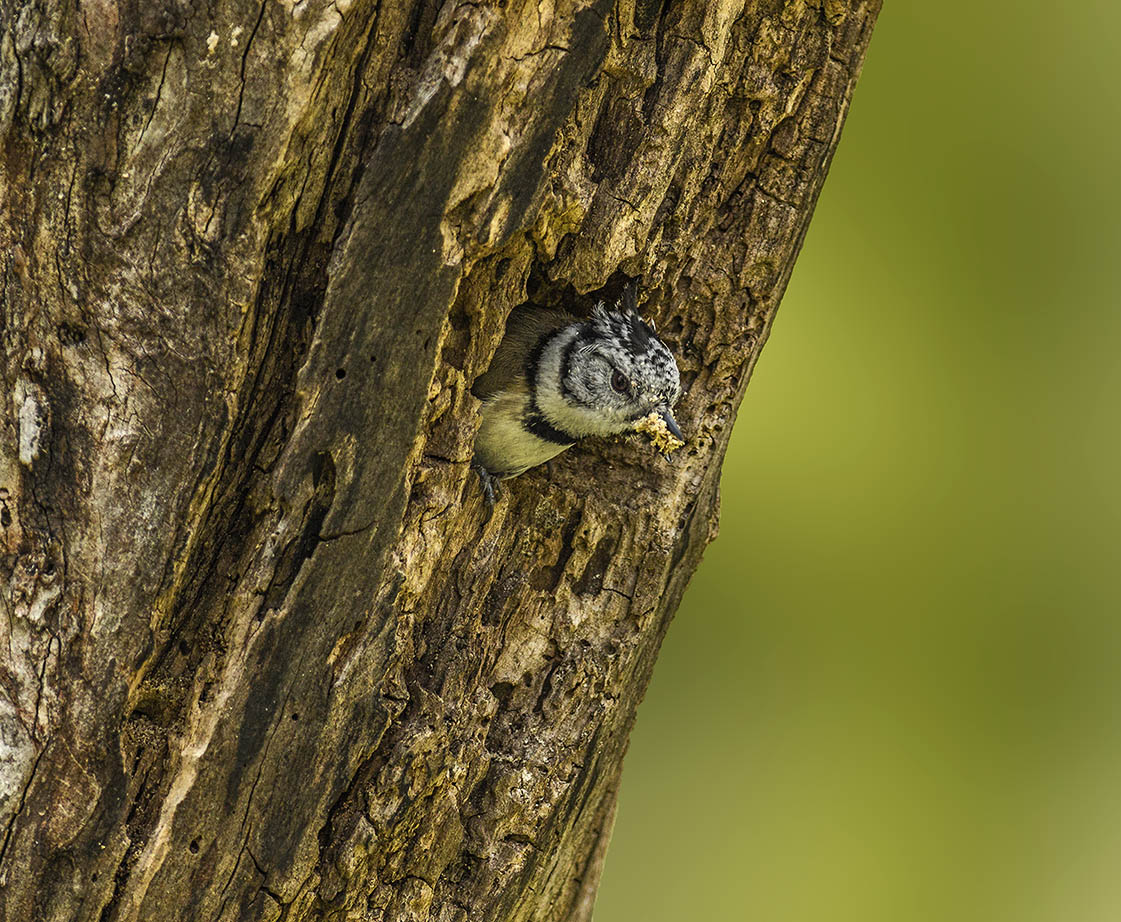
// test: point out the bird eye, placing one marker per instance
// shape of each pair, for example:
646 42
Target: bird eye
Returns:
619 383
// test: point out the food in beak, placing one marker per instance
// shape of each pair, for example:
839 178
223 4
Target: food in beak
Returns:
661 428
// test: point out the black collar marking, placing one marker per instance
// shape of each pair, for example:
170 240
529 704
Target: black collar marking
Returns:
535 422
534 359
566 367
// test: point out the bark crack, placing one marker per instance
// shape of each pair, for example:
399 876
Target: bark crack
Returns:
244 60
17 813
159 95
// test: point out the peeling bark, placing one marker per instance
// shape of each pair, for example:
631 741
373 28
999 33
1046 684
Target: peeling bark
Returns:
262 655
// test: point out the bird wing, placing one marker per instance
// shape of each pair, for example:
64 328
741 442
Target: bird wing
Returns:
524 328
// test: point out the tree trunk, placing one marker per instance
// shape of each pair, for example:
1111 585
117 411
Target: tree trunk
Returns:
262 654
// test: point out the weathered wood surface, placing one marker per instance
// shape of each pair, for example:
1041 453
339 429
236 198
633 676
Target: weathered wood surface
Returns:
261 655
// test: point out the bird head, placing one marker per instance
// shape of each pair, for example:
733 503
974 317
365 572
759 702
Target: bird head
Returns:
613 372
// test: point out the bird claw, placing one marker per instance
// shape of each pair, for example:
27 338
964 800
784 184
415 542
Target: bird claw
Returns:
489 483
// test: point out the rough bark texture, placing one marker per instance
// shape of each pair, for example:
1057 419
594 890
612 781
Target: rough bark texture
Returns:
262 656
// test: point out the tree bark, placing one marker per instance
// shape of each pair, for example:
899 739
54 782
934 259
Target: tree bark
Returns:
262 654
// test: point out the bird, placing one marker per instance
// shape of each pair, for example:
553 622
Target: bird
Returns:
556 378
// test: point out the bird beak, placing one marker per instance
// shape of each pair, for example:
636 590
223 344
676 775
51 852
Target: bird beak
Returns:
671 423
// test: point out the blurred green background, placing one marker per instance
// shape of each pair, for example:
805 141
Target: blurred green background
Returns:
893 691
